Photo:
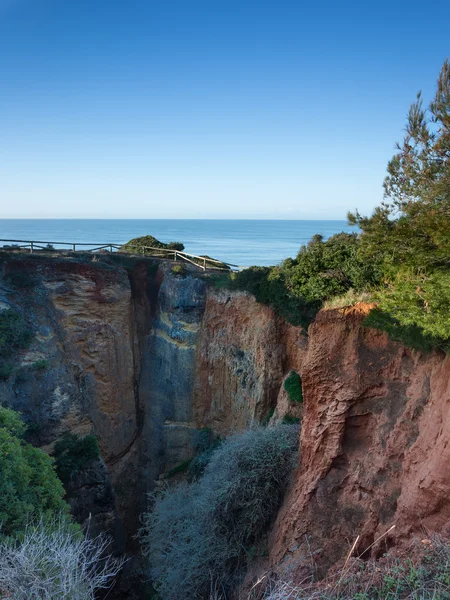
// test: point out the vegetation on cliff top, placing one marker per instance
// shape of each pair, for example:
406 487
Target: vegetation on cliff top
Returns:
400 258
142 245
207 530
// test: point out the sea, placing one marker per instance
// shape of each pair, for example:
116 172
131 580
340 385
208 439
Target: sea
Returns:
239 242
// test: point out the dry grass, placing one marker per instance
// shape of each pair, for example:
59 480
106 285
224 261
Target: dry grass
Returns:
420 573
350 298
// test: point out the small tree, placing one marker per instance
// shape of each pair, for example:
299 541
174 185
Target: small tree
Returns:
410 232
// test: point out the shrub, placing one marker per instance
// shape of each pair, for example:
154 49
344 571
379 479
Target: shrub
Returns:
290 420
14 333
6 369
141 245
181 468
29 486
73 452
411 335
40 365
50 562
179 269
293 386
322 269
205 530
21 279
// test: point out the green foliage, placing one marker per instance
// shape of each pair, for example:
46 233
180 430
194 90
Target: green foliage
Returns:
6 368
179 269
269 286
323 269
293 386
21 279
410 335
290 420
181 468
29 486
205 530
409 233
40 365
267 418
326 269
11 421
73 452
141 245
14 333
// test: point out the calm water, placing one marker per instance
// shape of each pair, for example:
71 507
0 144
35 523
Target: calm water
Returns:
243 243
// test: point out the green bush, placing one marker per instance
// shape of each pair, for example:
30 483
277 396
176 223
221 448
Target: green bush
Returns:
206 530
40 365
293 386
411 335
73 452
21 279
29 486
290 420
6 368
14 333
179 269
141 245
298 287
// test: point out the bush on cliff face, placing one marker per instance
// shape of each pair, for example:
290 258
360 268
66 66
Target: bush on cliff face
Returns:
15 335
73 452
205 531
29 486
293 386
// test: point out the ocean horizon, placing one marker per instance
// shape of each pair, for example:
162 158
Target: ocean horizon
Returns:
244 242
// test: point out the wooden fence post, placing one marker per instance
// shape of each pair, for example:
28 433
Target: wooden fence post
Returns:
31 247
204 264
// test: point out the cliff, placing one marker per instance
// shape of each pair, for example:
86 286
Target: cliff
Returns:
143 359
374 446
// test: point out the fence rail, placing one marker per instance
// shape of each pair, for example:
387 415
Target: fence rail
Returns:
201 262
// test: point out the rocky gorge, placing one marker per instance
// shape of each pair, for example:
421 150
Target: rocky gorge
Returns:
143 358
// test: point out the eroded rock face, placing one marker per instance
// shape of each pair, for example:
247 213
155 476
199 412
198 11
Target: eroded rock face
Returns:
374 446
244 351
167 377
77 375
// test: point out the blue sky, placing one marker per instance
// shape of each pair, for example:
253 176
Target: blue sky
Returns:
225 109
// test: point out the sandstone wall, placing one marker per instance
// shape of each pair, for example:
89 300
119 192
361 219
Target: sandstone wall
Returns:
374 447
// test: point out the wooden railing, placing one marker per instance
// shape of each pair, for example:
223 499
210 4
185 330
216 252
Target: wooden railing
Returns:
176 255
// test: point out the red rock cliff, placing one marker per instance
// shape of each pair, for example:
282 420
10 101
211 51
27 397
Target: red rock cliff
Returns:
374 446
